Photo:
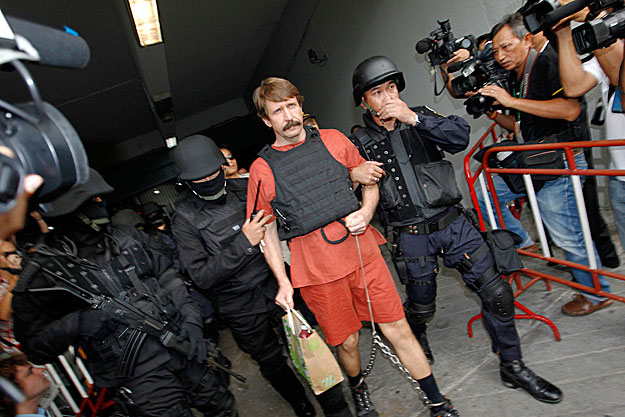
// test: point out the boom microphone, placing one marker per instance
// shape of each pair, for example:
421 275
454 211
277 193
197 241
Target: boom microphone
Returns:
56 48
423 45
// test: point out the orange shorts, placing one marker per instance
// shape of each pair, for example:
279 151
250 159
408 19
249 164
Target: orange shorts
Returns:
341 305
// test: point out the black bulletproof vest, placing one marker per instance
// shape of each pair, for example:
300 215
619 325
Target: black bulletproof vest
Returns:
395 198
218 225
312 188
111 279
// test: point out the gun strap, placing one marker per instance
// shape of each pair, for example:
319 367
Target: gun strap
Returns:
141 288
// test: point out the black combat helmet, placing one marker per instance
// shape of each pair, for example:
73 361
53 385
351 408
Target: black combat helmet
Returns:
127 217
197 157
76 196
374 71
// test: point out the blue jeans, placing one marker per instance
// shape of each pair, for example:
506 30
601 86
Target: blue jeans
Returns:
617 197
556 201
512 223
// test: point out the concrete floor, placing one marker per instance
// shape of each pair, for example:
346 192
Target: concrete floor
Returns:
588 364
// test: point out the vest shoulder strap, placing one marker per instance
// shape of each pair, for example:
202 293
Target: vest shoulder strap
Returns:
363 137
193 213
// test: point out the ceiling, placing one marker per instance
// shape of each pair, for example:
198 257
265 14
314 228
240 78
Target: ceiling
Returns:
210 55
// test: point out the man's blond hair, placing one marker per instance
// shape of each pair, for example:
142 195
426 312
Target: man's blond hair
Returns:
274 89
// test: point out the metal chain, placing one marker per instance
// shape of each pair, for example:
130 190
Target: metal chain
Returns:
376 342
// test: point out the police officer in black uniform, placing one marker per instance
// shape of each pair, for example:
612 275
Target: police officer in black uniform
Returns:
122 351
219 250
419 197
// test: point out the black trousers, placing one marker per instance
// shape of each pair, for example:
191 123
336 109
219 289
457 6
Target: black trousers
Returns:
456 239
172 389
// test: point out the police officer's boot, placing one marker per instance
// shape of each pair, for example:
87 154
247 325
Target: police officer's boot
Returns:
364 406
444 410
290 388
514 374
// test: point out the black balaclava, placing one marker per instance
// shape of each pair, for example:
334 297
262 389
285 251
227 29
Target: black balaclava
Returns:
213 190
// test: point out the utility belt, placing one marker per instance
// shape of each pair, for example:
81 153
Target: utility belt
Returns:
500 243
431 226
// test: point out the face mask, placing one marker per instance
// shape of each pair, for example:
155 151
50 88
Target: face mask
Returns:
213 190
94 214
13 271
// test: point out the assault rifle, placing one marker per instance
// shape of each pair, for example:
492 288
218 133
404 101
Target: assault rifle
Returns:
140 323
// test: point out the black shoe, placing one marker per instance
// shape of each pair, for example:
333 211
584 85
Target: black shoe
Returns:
425 345
610 262
515 374
304 409
364 406
447 410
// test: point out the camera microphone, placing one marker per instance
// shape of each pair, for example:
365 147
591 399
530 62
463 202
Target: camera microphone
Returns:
55 47
423 45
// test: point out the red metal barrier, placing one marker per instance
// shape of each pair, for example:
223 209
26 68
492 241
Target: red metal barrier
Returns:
536 276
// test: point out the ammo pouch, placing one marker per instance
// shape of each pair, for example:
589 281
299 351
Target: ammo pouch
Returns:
437 182
389 194
502 246
535 159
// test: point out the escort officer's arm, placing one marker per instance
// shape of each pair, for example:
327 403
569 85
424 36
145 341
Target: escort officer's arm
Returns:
368 173
275 260
450 133
205 268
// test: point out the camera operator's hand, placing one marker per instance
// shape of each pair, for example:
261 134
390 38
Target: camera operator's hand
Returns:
367 173
395 108
499 94
254 229
460 55
13 220
578 17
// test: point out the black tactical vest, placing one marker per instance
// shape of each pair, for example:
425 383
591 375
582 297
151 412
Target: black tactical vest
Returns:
434 177
312 188
113 279
218 225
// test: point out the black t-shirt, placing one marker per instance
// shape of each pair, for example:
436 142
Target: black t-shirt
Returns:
544 84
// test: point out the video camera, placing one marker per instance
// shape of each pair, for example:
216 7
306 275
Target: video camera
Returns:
539 15
599 33
442 44
477 72
42 140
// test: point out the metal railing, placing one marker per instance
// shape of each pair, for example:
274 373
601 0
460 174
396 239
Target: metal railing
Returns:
483 173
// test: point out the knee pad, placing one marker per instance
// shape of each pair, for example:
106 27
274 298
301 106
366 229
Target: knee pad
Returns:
224 406
498 299
420 314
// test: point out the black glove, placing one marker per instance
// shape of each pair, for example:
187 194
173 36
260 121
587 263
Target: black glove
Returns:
97 323
194 334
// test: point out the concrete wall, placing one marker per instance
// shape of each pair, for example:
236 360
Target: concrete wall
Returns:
349 32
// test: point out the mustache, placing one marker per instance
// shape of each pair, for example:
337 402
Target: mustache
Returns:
290 124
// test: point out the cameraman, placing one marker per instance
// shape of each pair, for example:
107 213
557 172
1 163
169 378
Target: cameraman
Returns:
461 55
579 78
543 110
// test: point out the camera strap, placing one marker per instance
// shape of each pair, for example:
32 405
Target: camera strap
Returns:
524 90
529 65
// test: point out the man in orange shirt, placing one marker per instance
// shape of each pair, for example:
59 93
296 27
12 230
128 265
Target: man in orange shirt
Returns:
305 183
